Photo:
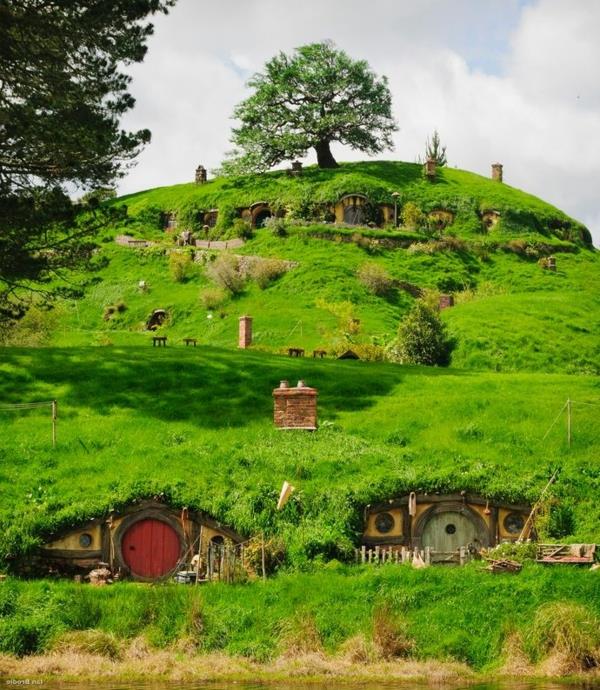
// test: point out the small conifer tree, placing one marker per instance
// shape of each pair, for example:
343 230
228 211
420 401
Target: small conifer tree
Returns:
435 151
422 338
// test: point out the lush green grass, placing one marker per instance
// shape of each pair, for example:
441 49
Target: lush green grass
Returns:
195 424
510 314
456 614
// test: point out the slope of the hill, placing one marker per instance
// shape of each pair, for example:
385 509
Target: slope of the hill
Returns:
196 426
510 314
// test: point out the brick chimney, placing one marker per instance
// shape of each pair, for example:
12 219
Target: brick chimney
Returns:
245 332
446 301
295 408
201 175
497 172
430 169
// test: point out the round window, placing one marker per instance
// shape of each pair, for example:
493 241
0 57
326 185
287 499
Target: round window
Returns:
85 540
514 523
450 528
384 522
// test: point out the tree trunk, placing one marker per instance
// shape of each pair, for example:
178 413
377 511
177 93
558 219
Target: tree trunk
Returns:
325 158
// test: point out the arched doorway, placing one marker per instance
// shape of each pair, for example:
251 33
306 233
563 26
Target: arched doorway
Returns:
448 526
151 548
354 214
261 218
447 532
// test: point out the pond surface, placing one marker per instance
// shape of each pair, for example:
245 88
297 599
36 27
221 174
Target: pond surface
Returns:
408 685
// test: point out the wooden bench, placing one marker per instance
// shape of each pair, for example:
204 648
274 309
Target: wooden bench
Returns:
190 341
319 353
295 352
159 341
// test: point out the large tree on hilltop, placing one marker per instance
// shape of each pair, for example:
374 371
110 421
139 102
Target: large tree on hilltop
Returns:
307 100
62 94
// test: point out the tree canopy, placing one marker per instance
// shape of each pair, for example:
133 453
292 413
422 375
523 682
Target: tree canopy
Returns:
62 94
309 99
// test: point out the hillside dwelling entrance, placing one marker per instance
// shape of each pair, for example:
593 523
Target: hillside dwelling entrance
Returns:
157 318
446 532
355 211
146 541
447 527
151 548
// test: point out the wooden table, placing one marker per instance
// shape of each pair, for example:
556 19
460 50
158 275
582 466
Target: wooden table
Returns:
159 341
295 352
319 353
190 341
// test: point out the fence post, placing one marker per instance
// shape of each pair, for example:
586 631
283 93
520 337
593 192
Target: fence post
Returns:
54 418
462 555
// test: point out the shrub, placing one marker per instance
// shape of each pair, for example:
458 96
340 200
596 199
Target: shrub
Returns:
33 330
375 278
422 338
412 216
180 266
278 226
242 228
225 272
213 298
266 271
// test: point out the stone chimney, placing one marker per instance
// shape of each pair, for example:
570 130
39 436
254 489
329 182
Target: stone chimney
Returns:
430 169
245 332
201 175
295 408
446 301
497 172
297 168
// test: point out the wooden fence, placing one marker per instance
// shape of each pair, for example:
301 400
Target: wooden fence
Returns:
378 555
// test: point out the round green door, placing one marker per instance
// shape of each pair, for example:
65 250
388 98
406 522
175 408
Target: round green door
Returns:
447 532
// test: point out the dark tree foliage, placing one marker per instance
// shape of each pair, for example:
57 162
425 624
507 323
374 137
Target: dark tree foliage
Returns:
307 100
62 94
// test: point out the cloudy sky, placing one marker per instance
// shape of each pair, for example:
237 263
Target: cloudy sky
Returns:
514 81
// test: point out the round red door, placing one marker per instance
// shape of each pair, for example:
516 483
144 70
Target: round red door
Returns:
151 548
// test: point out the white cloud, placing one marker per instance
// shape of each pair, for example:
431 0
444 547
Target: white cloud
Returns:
500 80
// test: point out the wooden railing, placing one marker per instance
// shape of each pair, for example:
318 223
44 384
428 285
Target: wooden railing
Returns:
378 555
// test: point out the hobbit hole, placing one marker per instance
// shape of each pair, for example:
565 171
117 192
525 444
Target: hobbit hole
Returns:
351 210
157 318
146 542
443 524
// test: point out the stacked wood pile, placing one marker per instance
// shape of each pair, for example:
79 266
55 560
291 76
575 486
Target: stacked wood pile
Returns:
576 554
504 565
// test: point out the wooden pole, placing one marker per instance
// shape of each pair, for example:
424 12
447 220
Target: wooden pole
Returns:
569 422
262 549
199 555
54 418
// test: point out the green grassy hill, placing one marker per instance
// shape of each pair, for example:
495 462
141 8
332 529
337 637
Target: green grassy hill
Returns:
510 313
194 425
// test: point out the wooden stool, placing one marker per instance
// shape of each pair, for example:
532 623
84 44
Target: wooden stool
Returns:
319 353
190 341
295 352
159 341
